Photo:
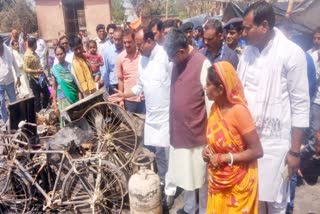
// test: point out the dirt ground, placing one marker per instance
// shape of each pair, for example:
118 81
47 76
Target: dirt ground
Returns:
307 199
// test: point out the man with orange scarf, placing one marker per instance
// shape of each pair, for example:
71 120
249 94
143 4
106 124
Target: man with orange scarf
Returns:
233 145
80 68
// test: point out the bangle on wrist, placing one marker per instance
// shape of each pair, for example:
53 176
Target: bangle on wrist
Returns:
231 159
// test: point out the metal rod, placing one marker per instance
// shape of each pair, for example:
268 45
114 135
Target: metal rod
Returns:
41 152
29 177
58 176
75 202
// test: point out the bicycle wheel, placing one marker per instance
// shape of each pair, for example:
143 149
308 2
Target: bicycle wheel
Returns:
18 139
14 193
93 188
114 132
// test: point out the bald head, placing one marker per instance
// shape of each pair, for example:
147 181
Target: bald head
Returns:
145 41
139 34
139 39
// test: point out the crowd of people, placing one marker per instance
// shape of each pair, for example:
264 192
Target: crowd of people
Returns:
227 106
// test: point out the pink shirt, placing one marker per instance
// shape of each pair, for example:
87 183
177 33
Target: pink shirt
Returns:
127 69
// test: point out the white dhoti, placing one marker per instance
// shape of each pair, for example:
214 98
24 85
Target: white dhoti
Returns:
186 168
273 186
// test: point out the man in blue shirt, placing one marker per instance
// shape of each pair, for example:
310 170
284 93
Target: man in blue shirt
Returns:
198 36
233 30
110 52
215 49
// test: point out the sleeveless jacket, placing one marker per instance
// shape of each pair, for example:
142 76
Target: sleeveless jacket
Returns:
187 104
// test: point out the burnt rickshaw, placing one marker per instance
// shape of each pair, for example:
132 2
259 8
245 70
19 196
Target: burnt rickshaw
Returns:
83 168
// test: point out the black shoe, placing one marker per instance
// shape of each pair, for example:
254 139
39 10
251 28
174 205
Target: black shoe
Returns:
181 211
168 202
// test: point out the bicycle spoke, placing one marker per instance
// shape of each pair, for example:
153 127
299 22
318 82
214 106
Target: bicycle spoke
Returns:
14 196
106 185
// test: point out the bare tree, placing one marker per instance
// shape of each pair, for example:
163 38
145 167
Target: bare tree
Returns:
148 7
4 4
18 15
189 8
117 11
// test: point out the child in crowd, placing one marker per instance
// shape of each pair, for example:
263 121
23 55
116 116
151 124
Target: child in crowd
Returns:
95 61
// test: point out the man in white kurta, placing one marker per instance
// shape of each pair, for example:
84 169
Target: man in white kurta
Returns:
154 81
41 50
154 78
273 71
8 65
24 89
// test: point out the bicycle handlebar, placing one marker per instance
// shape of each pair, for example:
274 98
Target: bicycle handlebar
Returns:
23 123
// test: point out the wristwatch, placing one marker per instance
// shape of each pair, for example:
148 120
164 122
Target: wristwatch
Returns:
294 154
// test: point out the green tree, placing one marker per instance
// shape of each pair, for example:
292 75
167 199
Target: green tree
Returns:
172 7
117 11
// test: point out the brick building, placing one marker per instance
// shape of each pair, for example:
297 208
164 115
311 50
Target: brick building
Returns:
70 16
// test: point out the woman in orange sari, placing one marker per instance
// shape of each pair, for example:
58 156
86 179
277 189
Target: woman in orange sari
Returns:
233 145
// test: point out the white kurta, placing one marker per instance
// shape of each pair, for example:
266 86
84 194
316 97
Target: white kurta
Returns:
315 57
24 89
8 66
154 81
276 88
42 52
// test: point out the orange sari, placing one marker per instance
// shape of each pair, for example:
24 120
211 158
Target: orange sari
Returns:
232 189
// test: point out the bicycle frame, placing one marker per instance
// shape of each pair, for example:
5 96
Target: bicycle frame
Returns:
54 195
50 200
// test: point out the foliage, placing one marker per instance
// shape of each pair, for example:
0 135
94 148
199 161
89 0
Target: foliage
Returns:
17 14
172 8
189 8
148 7
117 11
182 8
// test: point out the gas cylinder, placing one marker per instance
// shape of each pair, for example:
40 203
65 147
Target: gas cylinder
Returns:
144 188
